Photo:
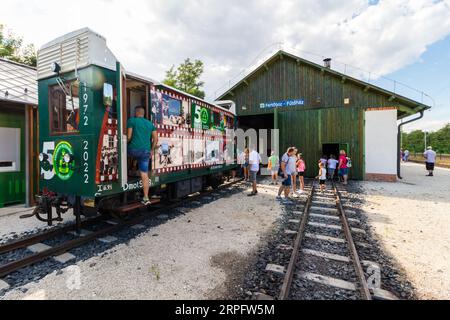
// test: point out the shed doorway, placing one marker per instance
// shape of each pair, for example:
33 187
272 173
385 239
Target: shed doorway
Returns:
258 122
329 149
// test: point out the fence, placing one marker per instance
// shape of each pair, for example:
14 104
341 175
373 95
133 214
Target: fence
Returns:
442 159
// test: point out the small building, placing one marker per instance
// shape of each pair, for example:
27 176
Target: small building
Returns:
322 111
18 133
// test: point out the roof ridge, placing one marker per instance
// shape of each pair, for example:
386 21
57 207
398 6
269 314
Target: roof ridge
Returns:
18 63
282 52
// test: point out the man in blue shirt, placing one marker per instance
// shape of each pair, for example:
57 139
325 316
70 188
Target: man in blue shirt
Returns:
142 139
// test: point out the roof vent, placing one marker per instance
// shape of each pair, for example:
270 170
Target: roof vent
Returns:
327 63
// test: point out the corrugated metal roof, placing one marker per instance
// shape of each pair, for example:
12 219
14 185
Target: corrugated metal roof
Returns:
18 83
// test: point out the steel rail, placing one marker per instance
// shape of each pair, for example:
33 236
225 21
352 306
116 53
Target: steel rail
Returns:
45 235
285 288
67 246
351 244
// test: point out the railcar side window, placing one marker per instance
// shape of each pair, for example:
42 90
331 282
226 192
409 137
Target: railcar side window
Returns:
64 106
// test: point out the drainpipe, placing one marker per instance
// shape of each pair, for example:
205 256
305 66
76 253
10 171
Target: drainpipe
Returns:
27 156
399 136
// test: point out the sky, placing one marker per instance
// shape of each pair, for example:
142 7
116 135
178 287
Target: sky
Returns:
404 40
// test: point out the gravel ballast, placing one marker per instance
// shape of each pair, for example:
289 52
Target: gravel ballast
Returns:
197 253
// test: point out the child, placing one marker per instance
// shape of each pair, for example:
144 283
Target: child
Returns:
322 176
324 160
274 166
301 167
294 175
332 165
246 164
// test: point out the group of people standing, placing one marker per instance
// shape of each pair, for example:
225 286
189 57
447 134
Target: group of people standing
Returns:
292 169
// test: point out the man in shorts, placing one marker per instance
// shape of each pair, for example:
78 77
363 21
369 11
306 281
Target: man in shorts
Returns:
142 139
430 157
287 174
254 160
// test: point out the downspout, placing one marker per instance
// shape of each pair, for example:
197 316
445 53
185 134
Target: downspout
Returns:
399 136
27 157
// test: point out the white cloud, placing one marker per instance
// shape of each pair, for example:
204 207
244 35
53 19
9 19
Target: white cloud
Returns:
433 120
426 125
150 36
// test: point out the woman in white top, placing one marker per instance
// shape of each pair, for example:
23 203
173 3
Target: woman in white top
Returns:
292 162
332 165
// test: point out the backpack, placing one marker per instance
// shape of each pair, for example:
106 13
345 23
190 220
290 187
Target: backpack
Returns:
280 171
349 163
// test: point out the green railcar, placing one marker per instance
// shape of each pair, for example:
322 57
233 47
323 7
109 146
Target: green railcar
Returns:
85 101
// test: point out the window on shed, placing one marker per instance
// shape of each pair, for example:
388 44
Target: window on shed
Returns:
10 149
64 107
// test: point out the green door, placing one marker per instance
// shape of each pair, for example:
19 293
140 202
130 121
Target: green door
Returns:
12 157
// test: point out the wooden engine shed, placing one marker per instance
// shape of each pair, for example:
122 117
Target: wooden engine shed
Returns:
322 111
18 134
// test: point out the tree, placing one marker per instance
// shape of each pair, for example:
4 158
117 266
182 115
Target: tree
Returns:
439 140
187 77
12 48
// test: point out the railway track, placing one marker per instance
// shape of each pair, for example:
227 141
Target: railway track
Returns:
324 261
102 229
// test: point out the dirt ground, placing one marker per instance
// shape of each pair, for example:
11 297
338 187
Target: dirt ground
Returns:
412 220
193 256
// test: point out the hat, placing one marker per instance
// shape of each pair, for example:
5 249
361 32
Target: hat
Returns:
429 148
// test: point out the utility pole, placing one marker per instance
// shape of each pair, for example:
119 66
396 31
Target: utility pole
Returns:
401 136
425 133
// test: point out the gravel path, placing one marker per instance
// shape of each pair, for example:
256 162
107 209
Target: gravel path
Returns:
411 219
201 253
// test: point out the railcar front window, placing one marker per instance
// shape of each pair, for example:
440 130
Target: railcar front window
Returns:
64 107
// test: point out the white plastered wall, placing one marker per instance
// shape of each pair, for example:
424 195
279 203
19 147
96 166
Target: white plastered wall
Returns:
381 141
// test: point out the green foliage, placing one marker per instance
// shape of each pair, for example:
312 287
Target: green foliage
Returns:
187 77
439 140
12 48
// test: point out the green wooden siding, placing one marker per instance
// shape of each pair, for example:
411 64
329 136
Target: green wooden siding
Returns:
310 129
324 118
12 184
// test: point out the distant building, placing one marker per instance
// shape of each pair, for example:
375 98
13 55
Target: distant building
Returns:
322 111
18 133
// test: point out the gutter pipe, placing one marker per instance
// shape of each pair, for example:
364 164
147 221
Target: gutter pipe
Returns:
399 137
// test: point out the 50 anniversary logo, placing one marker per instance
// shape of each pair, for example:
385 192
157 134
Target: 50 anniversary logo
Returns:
55 163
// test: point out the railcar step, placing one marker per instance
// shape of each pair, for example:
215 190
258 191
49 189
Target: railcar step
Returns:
136 205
